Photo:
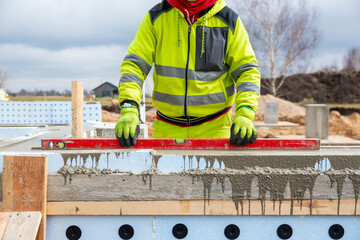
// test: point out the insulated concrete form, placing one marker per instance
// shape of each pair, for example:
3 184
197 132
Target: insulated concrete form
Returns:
287 178
202 227
20 113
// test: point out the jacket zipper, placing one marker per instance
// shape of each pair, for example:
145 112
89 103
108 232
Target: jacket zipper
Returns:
186 78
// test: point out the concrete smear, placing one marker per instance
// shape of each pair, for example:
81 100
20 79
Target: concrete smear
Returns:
339 176
75 164
272 181
273 176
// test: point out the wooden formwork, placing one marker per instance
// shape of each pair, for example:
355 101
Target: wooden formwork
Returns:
27 186
24 187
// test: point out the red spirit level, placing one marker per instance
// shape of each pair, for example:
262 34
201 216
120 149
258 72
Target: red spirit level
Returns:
174 144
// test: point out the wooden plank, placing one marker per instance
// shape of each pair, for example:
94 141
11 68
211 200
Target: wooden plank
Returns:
324 207
1 188
77 105
172 144
22 226
25 186
4 219
216 207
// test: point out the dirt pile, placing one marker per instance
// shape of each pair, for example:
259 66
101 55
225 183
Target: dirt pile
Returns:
288 111
110 116
322 87
348 126
112 106
151 115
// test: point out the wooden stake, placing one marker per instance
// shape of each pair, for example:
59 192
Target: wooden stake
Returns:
77 109
25 187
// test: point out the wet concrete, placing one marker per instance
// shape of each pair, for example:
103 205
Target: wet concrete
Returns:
274 172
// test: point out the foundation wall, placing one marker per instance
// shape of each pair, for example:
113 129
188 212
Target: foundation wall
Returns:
206 191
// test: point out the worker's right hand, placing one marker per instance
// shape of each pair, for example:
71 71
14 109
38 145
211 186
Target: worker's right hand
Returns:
242 129
128 126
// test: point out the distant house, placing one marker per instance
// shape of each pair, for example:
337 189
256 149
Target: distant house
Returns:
106 90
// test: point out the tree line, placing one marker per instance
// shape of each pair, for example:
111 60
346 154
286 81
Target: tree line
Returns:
44 93
284 35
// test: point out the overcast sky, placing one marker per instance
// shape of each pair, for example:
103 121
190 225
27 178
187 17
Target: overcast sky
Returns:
46 44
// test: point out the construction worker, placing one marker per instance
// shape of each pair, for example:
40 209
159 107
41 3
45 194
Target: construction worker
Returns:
201 53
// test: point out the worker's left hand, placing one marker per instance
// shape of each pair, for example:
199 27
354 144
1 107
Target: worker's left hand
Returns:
127 127
242 129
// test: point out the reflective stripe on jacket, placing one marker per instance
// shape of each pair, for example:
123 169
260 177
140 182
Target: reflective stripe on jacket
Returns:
198 67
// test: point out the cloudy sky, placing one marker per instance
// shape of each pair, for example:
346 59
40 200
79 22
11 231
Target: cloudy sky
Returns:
46 44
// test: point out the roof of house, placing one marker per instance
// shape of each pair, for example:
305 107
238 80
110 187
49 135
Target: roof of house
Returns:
104 84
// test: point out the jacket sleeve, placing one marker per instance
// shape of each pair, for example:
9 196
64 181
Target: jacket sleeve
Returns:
243 68
137 64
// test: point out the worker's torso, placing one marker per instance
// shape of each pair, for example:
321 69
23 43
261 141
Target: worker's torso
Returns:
191 77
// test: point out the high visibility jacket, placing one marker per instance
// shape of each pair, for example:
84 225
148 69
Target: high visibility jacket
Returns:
198 66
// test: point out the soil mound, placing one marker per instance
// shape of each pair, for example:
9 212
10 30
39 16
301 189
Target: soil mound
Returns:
348 126
322 87
110 116
288 111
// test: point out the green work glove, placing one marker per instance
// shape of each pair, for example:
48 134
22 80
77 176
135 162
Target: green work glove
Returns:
242 129
127 127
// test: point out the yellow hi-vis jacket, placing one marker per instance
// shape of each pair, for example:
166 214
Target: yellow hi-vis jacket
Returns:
197 66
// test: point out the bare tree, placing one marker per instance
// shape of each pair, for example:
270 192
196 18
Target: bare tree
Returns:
3 78
352 60
283 34
332 67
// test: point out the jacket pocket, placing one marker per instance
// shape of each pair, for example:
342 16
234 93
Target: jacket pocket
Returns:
214 46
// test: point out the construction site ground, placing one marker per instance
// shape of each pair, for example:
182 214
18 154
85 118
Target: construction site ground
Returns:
342 129
153 190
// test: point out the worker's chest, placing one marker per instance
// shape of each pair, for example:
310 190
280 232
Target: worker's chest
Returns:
193 46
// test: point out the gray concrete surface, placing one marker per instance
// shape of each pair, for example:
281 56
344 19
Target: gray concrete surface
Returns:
317 121
271 112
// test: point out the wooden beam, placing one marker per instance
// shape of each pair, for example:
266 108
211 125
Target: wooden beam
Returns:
199 207
22 226
24 186
77 105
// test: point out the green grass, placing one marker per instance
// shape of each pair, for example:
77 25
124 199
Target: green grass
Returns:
103 101
333 105
344 105
39 98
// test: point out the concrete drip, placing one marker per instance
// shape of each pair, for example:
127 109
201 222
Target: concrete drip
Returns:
156 160
241 187
241 172
75 164
300 181
339 177
355 178
121 154
148 175
207 176
71 169
271 180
